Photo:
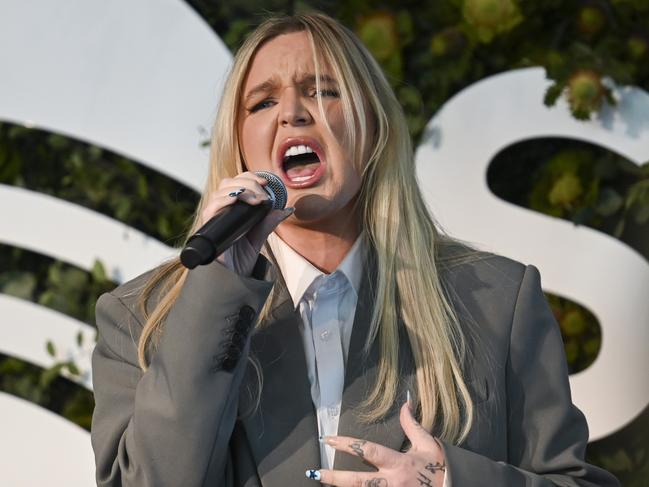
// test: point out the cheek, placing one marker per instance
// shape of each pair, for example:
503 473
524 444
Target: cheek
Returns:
256 143
337 123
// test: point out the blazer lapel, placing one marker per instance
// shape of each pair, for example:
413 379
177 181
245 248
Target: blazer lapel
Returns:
361 376
282 430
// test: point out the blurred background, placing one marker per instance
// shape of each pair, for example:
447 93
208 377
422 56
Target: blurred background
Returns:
589 51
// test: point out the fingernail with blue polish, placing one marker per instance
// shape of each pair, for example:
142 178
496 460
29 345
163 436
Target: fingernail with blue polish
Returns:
313 474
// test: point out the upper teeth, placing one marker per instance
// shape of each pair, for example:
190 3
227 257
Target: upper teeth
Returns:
297 149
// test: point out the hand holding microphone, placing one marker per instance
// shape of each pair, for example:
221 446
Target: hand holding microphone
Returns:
237 221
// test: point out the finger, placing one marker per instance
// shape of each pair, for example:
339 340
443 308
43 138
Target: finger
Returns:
226 199
251 175
243 194
217 203
244 177
248 184
377 455
341 478
413 430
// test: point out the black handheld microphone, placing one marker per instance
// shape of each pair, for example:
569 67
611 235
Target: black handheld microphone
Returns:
231 223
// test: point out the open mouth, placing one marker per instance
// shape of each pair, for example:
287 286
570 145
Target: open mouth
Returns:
300 163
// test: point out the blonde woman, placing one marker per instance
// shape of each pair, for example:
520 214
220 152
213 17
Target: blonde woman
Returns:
362 346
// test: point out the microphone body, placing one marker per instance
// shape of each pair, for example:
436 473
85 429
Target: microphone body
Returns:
230 224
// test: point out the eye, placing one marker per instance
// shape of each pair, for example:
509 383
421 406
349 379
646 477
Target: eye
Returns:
261 105
326 92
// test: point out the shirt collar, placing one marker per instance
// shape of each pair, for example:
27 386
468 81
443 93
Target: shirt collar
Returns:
299 273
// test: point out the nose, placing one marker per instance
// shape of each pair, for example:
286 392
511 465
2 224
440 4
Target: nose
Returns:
293 112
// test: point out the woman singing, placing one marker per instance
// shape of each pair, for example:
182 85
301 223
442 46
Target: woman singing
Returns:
346 336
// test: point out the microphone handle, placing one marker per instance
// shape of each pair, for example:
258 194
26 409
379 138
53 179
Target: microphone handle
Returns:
221 231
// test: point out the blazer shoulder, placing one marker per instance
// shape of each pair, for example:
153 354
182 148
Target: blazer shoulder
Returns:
132 289
483 289
461 264
122 304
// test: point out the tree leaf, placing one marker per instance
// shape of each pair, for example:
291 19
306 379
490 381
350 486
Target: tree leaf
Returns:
565 190
552 94
51 349
73 369
98 272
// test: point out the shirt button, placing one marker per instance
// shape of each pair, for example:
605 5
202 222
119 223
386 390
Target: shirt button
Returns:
325 335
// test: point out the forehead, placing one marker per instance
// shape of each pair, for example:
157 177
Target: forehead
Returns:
283 57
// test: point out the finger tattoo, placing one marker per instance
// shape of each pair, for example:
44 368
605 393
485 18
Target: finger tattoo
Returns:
357 447
423 480
436 467
376 483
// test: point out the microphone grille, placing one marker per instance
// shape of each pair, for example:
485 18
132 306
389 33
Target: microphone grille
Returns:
275 189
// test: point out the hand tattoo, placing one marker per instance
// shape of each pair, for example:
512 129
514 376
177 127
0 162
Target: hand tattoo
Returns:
436 467
423 480
357 447
376 483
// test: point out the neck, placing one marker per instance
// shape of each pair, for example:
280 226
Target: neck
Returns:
325 243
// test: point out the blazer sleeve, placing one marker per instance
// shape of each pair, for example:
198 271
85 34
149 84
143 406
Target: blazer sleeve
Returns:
171 425
547 434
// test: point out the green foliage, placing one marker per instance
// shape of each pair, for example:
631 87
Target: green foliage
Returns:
566 184
489 18
592 186
577 181
47 388
636 203
97 179
582 335
53 284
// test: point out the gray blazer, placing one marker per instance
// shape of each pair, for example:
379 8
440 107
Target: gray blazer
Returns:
198 416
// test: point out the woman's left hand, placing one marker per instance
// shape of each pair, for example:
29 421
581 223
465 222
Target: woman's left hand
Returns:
422 465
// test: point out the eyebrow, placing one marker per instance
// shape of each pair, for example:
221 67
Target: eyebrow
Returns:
270 84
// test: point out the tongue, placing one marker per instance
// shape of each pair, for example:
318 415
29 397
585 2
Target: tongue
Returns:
302 170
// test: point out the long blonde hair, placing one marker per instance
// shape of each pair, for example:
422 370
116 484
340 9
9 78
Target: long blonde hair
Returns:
396 222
